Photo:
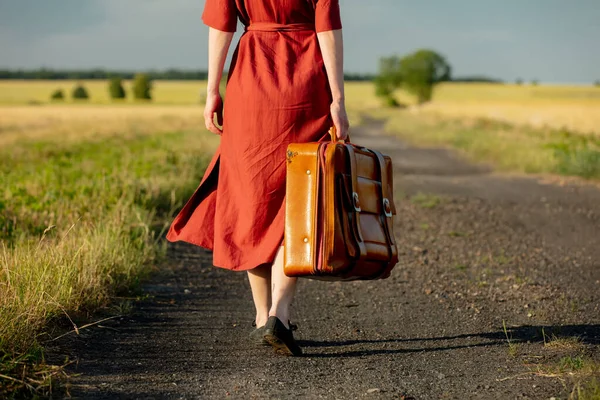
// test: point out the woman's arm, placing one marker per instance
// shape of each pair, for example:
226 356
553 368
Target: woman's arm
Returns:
332 48
218 46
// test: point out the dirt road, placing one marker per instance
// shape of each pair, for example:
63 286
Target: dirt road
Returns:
478 251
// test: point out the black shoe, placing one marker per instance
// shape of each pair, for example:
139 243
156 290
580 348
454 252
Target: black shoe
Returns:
257 337
281 338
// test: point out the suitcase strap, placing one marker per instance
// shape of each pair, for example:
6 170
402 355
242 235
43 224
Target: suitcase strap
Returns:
386 202
356 200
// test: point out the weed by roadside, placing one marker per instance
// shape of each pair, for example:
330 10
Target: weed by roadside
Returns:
426 200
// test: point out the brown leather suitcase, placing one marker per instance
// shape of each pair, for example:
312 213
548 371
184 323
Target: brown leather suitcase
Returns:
339 212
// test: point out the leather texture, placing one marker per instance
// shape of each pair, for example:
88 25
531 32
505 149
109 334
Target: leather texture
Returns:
339 212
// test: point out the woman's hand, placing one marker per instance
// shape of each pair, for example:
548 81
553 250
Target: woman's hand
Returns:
214 105
340 119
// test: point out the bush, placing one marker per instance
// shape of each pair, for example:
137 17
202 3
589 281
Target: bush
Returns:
80 93
421 71
577 155
115 88
390 101
142 86
597 83
57 95
519 81
388 80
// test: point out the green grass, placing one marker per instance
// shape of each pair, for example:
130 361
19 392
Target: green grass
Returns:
426 200
79 223
507 147
513 348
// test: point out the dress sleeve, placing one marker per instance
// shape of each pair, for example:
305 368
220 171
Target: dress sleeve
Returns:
220 14
327 15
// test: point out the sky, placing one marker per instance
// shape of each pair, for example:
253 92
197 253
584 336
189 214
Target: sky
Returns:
553 41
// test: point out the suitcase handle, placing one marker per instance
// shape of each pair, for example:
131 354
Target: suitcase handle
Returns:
332 133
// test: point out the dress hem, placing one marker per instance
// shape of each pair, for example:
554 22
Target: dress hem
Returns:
248 265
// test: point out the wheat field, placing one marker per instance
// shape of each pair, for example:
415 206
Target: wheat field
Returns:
576 108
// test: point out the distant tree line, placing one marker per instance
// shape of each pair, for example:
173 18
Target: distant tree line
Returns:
90 74
476 79
169 74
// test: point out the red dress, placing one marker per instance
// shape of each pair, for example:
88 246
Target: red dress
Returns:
277 93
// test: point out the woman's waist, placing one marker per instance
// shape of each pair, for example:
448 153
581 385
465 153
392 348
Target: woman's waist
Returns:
277 27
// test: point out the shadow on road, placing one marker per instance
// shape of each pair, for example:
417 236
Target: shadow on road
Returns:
587 334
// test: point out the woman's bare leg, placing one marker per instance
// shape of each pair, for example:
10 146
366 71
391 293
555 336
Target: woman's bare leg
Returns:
283 290
260 283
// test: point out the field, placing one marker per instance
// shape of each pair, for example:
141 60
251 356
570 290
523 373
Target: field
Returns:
86 193
575 108
88 188
38 92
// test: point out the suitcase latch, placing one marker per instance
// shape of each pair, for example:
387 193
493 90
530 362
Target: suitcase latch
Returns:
356 202
387 209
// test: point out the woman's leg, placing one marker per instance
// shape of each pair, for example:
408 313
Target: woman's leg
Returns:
260 283
282 291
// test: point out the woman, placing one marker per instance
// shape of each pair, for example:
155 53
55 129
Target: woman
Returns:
285 86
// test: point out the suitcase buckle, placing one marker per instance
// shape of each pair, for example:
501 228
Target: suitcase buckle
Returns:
387 209
356 202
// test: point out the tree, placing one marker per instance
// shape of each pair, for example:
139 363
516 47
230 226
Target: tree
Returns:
80 93
597 83
534 82
142 86
519 81
57 95
421 71
388 80
115 88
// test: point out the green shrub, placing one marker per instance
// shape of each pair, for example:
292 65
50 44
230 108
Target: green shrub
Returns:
115 88
576 155
57 95
142 87
80 93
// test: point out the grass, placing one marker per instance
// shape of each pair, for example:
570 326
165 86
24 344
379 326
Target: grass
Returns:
74 123
580 376
507 147
426 200
81 210
513 348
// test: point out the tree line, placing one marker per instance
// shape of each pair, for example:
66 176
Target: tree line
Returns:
169 74
92 74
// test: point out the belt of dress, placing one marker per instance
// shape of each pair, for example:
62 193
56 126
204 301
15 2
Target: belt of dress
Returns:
272 27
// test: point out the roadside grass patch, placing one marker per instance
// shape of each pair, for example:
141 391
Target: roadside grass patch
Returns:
426 200
80 222
507 147
572 343
579 375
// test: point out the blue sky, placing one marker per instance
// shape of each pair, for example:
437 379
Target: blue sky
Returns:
550 40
